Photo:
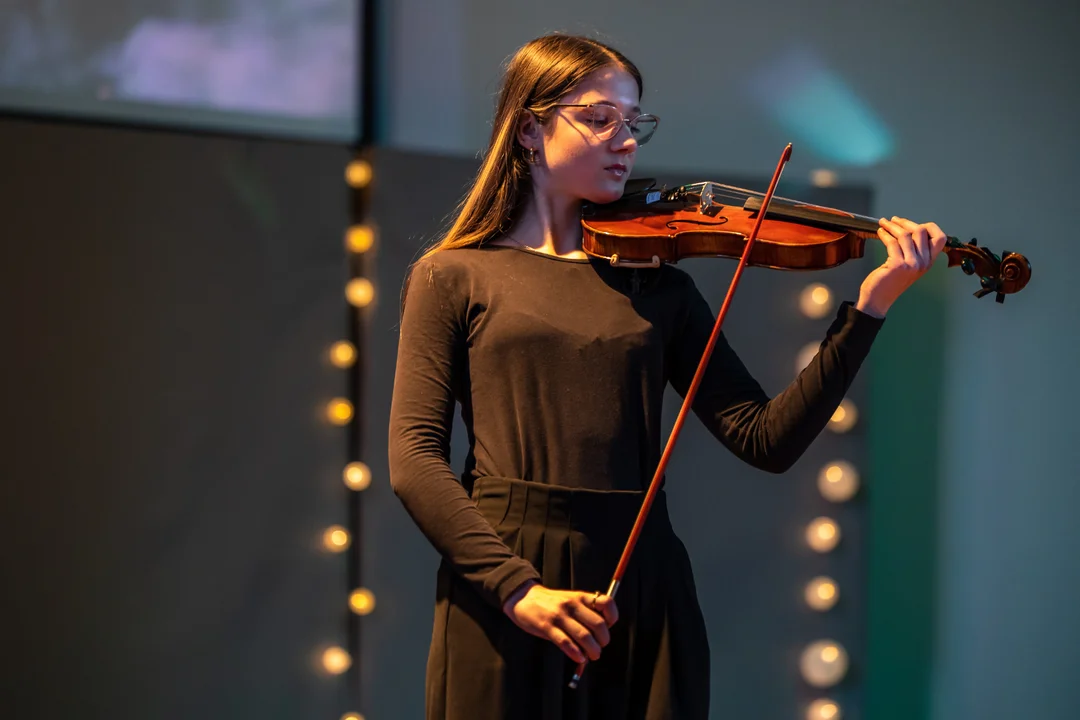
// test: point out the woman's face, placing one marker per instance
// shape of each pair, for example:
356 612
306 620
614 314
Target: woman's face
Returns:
573 161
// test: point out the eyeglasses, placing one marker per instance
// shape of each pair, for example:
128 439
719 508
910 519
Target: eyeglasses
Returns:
606 121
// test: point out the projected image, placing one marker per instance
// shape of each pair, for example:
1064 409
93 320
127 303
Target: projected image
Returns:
262 65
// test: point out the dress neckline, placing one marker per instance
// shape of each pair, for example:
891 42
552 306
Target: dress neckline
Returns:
549 256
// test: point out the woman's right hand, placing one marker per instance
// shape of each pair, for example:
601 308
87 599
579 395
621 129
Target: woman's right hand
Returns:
577 622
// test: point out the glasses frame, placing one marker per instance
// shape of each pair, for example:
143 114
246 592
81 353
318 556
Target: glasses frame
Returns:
628 123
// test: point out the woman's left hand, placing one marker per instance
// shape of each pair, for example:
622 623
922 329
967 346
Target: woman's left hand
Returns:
913 248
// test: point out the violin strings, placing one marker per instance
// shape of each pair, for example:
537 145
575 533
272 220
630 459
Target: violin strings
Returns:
735 193
730 192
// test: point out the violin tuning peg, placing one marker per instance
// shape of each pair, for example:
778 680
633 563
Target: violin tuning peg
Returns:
974 242
1000 298
982 292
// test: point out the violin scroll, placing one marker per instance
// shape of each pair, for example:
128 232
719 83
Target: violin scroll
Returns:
1003 275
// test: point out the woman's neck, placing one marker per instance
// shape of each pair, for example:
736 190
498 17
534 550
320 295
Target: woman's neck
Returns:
550 225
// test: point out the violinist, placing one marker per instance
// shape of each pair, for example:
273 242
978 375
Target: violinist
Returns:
559 362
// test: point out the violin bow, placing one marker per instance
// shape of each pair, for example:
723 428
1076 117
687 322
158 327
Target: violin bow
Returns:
688 401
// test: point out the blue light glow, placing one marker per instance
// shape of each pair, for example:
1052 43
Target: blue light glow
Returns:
818 109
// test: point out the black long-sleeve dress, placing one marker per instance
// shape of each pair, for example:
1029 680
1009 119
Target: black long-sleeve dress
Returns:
560 368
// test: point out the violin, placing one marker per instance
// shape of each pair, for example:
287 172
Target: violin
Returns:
649 226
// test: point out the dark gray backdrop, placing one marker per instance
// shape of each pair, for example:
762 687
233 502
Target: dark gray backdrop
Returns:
167 305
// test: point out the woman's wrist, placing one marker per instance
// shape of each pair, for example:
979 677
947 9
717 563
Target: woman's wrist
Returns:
517 595
865 305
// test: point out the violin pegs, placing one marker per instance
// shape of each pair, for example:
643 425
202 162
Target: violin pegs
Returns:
1000 298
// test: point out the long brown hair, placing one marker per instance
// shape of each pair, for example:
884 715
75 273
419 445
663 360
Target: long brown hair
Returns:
536 77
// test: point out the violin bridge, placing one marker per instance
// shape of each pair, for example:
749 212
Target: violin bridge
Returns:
706 203
706 206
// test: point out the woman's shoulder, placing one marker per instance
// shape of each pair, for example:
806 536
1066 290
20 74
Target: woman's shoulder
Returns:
448 273
446 263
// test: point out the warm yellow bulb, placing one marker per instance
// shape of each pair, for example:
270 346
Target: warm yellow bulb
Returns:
823 177
362 601
336 538
844 418
336 660
806 356
343 354
352 716
339 411
838 481
359 238
823 709
360 292
823 663
816 301
357 476
822 534
821 593
358 173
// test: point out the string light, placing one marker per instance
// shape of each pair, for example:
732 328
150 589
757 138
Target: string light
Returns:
339 411
336 538
823 178
362 601
359 238
359 292
821 593
357 476
824 709
816 301
824 663
838 481
343 354
358 173
806 356
844 417
822 534
336 660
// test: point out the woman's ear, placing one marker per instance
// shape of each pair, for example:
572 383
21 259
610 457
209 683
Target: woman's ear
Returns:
528 130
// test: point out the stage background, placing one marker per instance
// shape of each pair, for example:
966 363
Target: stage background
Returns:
963 113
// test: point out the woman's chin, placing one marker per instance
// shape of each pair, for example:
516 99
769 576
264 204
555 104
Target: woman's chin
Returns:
602 196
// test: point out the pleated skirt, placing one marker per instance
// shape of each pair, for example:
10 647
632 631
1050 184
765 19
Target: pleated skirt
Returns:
481 666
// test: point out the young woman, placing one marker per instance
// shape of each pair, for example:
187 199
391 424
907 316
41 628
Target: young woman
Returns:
559 363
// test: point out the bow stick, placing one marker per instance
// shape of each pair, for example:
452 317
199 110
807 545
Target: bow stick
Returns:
688 401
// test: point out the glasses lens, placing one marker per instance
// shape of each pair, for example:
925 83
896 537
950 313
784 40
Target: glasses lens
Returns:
643 127
605 121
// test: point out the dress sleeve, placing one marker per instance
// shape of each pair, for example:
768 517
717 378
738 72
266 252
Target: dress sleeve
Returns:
768 433
430 361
